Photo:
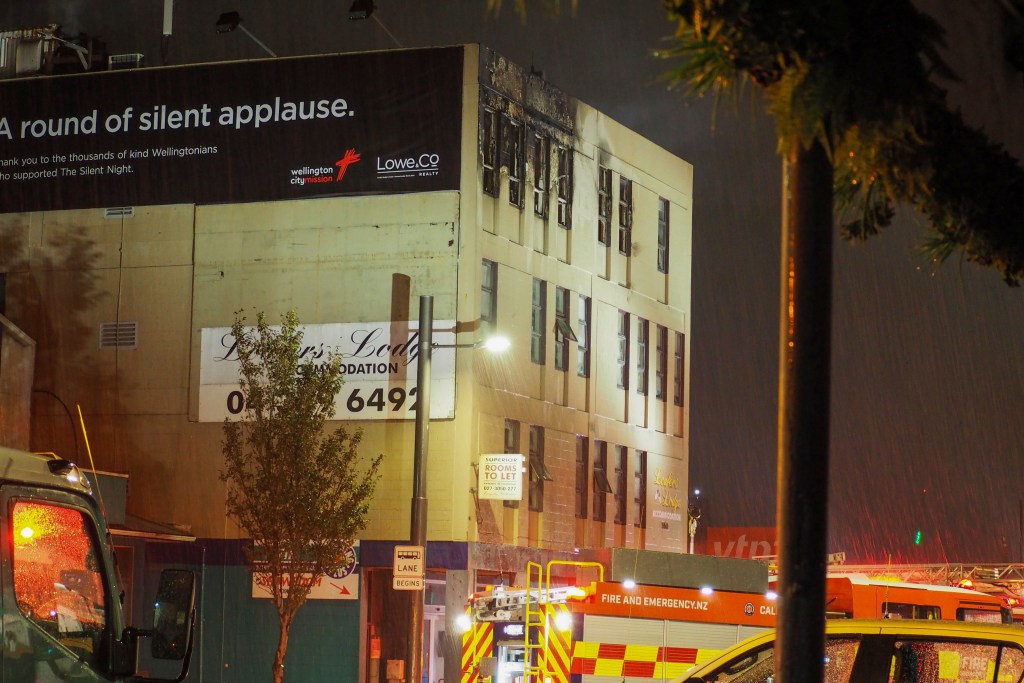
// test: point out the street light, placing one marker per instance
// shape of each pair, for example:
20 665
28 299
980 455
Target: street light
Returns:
418 520
693 514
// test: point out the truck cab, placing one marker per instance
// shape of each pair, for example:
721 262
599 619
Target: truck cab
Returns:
61 602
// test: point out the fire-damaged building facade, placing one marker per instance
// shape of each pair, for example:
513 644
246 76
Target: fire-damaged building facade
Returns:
142 208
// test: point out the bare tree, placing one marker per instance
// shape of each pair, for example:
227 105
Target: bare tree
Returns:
301 492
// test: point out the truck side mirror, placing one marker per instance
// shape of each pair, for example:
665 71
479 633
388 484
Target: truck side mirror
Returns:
174 615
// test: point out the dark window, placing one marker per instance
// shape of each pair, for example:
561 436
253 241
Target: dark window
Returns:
640 491
625 216
513 142
489 297
582 481
661 364
678 382
565 186
490 152
512 446
901 610
621 493
662 235
538 472
601 485
623 357
643 329
563 331
604 206
583 341
541 172
538 327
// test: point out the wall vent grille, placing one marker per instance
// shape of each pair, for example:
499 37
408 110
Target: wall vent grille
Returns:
119 212
119 335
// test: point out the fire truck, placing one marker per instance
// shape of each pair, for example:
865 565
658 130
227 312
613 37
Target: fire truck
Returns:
635 633
604 630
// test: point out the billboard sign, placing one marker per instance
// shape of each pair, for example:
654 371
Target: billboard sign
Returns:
341 585
379 360
258 130
747 541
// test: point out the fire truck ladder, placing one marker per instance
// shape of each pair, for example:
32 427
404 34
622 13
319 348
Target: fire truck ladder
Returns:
534 635
948 574
539 633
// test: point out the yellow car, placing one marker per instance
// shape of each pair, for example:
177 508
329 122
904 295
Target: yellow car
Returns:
885 651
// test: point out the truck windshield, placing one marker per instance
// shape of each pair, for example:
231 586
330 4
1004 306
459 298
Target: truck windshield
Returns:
58 580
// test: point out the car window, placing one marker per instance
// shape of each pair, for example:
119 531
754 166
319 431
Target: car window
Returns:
902 610
758 666
58 581
949 661
754 666
989 616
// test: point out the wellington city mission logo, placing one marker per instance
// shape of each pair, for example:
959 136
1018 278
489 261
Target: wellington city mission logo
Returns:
308 175
387 168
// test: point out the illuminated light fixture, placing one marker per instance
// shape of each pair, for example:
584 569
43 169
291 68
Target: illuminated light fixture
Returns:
496 344
706 590
463 622
563 621
771 595
229 21
628 584
27 532
361 9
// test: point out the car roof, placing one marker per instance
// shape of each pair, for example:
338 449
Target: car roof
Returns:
973 630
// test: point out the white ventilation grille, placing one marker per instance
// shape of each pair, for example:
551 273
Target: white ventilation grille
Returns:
119 335
119 212
131 60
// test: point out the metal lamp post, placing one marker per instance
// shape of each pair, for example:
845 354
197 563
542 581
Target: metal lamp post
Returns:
418 521
693 514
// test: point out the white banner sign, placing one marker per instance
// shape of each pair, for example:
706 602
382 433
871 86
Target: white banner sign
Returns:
500 476
342 586
379 362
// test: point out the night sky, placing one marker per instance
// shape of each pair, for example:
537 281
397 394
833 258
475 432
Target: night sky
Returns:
928 359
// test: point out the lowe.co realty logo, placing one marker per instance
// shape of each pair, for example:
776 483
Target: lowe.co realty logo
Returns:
308 175
426 164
